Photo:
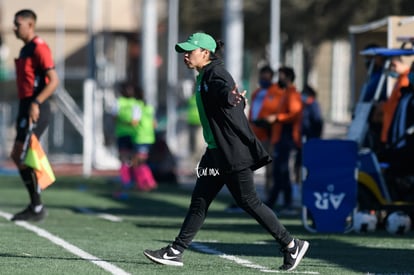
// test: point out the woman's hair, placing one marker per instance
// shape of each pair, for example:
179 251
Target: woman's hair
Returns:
129 89
125 89
219 50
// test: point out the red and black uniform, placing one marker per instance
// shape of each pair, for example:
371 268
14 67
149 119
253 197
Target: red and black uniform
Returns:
34 61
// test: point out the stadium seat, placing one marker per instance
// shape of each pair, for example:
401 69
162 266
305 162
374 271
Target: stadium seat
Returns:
329 191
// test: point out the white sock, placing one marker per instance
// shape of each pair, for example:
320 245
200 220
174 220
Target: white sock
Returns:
38 208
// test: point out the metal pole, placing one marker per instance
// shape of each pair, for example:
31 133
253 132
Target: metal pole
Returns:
89 90
149 52
172 75
88 143
234 39
275 34
91 34
58 118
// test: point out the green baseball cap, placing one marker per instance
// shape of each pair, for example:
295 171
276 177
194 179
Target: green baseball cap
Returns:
195 41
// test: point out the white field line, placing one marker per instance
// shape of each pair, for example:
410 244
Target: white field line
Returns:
67 246
243 262
104 216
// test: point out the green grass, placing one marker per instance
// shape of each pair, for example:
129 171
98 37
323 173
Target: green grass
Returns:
152 220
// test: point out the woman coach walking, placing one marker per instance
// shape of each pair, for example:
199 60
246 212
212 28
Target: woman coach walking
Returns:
232 154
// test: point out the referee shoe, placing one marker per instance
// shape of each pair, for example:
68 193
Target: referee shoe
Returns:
29 214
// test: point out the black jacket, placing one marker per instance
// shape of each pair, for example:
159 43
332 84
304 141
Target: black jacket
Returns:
234 138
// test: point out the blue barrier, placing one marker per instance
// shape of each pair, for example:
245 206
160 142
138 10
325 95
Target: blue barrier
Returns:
329 191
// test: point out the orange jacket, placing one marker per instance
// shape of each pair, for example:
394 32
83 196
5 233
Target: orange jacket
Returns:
269 106
289 112
391 104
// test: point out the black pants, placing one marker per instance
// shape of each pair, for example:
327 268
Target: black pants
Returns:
22 121
240 184
281 173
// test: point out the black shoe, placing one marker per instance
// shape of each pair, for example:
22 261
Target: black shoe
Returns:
293 256
166 256
28 214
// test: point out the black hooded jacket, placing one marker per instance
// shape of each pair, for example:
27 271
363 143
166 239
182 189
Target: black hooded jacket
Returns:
235 140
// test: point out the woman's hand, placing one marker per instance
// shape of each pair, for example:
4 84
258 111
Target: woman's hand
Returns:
236 97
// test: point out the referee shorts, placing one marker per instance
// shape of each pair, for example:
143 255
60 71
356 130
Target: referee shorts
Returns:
22 121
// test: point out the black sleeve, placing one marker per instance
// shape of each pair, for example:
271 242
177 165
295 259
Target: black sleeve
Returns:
222 88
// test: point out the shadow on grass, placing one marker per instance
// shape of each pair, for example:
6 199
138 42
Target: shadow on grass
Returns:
168 200
17 256
333 252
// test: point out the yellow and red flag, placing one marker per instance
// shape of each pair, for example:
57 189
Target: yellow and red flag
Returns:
37 159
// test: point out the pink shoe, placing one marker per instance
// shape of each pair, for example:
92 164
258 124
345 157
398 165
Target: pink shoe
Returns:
125 174
144 179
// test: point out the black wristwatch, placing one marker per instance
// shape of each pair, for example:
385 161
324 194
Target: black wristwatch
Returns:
36 101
